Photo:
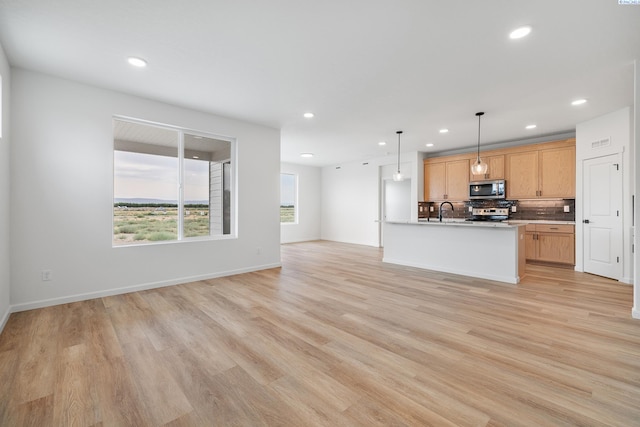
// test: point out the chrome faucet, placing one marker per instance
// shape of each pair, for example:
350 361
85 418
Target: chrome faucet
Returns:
440 209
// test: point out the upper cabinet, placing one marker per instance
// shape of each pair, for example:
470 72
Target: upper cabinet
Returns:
545 173
495 168
458 180
558 172
537 171
448 180
522 175
435 181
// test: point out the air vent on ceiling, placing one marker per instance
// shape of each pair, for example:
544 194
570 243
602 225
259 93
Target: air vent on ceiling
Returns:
606 142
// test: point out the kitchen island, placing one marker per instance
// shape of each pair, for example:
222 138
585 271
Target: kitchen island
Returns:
487 250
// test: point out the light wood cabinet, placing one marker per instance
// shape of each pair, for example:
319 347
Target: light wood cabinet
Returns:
446 180
435 181
546 173
537 171
522 175
495 168
550 243
458 180
530 242
558 172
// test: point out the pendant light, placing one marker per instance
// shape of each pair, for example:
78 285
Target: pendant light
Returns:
398 176
479 167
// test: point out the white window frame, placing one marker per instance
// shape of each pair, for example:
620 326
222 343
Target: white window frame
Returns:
233 215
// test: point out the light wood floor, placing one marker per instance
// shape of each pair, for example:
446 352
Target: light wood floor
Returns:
334 338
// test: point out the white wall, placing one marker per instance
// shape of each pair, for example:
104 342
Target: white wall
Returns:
309 204
5 293
62 189
617 127
351 195
636 153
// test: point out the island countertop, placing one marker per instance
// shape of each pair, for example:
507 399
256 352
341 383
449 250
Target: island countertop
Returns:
458 222
507 223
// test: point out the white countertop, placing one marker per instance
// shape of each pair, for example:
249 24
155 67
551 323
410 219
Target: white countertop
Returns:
539 221
460 223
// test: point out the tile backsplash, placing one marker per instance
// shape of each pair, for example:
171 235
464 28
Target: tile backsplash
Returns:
550 210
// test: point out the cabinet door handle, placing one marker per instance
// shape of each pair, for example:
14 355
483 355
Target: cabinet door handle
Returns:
553 228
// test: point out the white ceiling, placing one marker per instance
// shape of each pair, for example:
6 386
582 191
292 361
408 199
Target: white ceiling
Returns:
366 68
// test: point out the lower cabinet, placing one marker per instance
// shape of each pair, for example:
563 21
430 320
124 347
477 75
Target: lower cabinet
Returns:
550 243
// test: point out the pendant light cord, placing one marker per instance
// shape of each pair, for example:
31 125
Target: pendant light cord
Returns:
479 116
399 133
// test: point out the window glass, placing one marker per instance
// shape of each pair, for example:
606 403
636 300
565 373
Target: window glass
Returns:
288 198
169 184
206 201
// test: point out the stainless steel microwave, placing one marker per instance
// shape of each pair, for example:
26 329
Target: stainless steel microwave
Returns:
494 189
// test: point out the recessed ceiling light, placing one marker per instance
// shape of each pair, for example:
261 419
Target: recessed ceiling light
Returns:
137 62
579 102
429 145
444 130
306 155
196 157
308 115
530 127
519 33
382 143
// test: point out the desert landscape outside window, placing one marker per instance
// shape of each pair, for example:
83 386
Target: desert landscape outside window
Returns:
170 184
288 198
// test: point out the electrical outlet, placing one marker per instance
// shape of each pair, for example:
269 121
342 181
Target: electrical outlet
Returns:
470 208
567 208
513 208
47 275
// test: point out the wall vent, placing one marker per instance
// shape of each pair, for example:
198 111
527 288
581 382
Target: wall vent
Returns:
606 142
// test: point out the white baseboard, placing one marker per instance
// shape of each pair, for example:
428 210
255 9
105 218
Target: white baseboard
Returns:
125 290
300 240
635 313
5 318
627 280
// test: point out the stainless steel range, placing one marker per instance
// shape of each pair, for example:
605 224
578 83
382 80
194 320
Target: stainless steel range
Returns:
489 214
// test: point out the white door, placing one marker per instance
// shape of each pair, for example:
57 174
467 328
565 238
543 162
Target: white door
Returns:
602 213
397 202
